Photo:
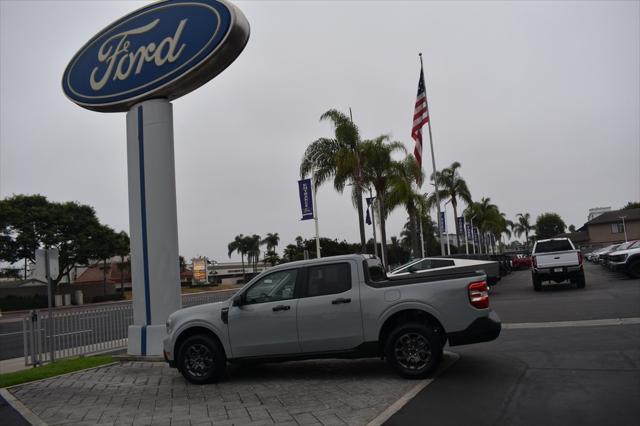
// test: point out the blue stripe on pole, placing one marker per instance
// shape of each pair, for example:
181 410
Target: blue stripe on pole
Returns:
143 340
143 211
306 198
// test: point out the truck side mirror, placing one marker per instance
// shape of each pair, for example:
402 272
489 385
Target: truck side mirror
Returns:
237 301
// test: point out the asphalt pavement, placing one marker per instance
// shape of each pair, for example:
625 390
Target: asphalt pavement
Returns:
557 369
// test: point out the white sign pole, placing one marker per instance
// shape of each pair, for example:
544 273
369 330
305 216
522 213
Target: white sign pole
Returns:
153 224
315 217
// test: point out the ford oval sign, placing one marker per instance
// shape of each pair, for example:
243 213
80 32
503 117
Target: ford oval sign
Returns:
163 50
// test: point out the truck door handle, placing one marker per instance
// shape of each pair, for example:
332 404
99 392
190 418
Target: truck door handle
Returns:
281 308
340 300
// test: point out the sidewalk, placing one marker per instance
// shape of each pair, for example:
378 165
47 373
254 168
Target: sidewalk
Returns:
326 392
11 365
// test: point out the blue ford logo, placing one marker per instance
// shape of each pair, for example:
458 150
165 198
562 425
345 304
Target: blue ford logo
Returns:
165 50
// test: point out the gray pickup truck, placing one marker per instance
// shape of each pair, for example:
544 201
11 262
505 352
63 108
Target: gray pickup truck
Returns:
334 307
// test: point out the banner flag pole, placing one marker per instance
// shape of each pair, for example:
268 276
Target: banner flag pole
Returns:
433 158
315 217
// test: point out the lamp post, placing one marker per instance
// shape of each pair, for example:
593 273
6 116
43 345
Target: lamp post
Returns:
624 228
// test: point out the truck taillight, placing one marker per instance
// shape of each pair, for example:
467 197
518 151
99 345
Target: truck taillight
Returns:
534 261
479 294
580 258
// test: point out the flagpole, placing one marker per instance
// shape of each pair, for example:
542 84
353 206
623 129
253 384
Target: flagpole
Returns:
433 159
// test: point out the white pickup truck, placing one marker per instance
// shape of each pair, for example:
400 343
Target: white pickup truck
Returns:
334 307
556 260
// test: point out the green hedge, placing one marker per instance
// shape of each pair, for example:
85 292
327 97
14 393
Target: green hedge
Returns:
18 303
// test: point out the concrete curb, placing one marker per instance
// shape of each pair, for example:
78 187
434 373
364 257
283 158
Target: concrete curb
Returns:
124 358
63 374
451 359
26 414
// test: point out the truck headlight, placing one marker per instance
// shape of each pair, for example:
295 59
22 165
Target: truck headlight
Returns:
169 325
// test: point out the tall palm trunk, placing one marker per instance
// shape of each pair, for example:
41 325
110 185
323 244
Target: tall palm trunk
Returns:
244 275
363 242
455 221
414 231
383 231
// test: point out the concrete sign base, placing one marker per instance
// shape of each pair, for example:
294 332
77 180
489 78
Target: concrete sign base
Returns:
155 269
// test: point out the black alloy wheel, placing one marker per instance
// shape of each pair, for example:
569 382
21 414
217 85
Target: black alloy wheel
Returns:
414 350
201 360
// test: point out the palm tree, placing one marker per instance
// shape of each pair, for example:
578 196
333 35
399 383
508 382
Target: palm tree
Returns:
339 157
402 193
252 247
271 241
380 170
523 226
451 186
486 216
238 245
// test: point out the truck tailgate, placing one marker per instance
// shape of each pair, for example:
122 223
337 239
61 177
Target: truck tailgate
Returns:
557 259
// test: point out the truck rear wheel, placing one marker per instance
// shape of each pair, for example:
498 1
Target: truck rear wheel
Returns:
580 281
414 350
537 282
201 360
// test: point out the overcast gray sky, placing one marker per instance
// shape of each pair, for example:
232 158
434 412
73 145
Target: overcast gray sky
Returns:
539 101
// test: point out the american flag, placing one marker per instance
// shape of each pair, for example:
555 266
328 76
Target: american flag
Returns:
420 118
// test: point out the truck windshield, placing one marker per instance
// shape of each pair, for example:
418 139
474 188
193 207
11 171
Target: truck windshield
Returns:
553 245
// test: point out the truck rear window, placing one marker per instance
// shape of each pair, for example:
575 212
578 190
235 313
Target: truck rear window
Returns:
553 245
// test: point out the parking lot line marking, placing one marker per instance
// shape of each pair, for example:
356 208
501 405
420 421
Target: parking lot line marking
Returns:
580 323
450 359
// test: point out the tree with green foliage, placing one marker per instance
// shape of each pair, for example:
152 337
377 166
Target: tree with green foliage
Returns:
523 226
238 245
548 225
402 192
380 171
340 158
632 205
487 217
453 187
271 241
29 222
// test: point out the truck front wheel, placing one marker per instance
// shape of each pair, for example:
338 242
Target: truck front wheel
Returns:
413 350
201 359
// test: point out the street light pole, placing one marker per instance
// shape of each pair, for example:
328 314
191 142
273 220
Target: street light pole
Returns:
624 228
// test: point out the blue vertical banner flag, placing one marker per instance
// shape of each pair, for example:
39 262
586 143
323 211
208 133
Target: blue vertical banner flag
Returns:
369 201
469 232
306 198
443 224
476 237
460 229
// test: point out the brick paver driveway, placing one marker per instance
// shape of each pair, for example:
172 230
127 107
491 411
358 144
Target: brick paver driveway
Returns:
329 392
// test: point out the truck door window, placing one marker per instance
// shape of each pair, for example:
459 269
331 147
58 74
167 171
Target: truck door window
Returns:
273 287
328 279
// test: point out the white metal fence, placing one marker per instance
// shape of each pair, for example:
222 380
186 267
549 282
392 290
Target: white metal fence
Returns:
88 330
